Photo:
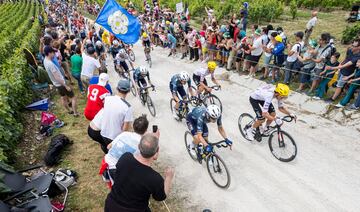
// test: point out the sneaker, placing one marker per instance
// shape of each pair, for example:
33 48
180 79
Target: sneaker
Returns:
248 76
339 105
250 132
353 107
316 97
266 131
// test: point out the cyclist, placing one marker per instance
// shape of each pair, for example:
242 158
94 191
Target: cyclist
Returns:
200 74
139 78
177 83
197 121
145 40
120 60
115 48
261 101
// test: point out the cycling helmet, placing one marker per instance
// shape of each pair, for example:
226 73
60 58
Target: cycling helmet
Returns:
98 43
124 85
143 70
145 35
211 66
115 42
184 76
122 51
282 89
213 111
88 41
167 22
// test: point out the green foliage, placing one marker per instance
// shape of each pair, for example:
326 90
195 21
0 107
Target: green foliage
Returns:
350 33
265 10
325 4
293 9
15 90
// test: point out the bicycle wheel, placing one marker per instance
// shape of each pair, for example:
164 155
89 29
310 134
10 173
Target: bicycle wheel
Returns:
131 55
282 146
172 107
218 171
211 99
150 63
150 106
142 98
133 89
188 140
245 121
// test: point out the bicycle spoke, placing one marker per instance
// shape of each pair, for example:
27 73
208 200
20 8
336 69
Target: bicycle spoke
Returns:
218 171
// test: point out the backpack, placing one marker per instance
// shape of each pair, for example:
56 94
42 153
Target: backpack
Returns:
56 146
332 51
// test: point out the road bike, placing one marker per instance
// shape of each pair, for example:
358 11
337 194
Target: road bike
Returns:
146 99
147 51
130 52
183 108
216 166
207 98
282 145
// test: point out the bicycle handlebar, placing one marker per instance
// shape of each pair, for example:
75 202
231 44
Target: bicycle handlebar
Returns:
220 144
288 118
216 87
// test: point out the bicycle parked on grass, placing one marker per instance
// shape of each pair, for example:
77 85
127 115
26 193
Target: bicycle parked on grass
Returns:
216 167
280 142
207 98
145 98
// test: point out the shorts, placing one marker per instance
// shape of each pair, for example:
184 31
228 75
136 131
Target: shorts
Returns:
180 90
254 60
142 83
212 47
316 74
340 83
258 111
191 124
147 43
267 61
204 50
96 136
124 65
196 79
63 92
225 53
173 45
239 57
305 76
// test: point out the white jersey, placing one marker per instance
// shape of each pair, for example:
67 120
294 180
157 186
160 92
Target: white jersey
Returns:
121 57
202 73
265 93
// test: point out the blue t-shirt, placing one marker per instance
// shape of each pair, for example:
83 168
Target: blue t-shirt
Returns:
176 83
198 118
95 80
171 38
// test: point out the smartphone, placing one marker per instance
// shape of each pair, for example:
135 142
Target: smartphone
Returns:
155 128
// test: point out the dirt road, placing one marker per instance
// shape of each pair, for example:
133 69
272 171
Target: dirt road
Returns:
323 177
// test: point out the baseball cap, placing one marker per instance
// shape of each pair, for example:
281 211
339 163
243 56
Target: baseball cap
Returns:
48 50
123 85
299 34
258 31
103 79
278 38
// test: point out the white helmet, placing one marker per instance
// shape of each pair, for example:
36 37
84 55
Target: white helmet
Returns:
115 42
122 51
143 70
184 76
88 41
98 43
213 111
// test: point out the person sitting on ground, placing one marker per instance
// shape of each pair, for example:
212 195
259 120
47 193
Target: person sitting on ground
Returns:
327 75
125 142
135 181
96 96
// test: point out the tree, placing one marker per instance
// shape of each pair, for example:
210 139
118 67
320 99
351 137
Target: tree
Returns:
293 9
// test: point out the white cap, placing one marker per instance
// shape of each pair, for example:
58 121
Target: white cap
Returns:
103 79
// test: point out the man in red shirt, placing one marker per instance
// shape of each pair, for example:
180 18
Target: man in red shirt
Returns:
96 96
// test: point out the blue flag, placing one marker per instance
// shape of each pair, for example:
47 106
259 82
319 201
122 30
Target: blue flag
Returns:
118 21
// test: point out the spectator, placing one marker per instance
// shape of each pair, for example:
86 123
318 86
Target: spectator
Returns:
96 96
59 82
244 15
308 64
76 62
229 42
89 66
241 41
256 51
135 180
94 130
95 80
327 76
125 142
117 113
278 53
323 51
292 58
172 42
268 55
347 68
310 26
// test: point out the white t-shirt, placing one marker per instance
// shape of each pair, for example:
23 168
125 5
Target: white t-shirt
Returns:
311 23
203 72
270 45
296 48
258 47
265 93
89 65
125 142
117 111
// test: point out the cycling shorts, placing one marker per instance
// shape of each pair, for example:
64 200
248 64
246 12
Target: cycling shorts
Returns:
257 104
180 90
197 78
124 65
147 43
191 124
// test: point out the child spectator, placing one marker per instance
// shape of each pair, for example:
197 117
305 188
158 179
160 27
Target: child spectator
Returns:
308 64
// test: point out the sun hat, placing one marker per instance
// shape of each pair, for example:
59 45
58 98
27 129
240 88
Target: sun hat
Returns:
103 79
257 32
